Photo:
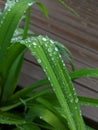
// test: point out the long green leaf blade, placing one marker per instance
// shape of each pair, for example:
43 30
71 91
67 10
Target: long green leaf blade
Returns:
11 119
43 8
24 92
84 73
66 53
93 102
9 22
68 7
48 56
47 116
28 126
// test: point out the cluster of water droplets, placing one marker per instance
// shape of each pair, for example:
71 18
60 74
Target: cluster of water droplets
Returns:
30 3
3 16
9 4
0 12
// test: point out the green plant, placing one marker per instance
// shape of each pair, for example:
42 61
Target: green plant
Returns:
56 107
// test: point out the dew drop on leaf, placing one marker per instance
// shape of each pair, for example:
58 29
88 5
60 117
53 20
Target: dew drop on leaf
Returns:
71 100
44 39
52 41
70 95
75 107
9 9
80 113
53 58
76 100
17 1
30 4
29 46
56 49
46 45
49 50
34 43
39 61
40 117
49 78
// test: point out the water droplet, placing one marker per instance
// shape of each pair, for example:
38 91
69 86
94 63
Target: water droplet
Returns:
52 58
71 100
52 41
63 63
74 94
70 95
29 46
49 50
49 78
44 70
44 39
76 100
60 56
54 89
40 117
34 43
52 85
73 89
30 4
1 22
39 61
46 45
17 1
56 49
75 107
80 113
9 9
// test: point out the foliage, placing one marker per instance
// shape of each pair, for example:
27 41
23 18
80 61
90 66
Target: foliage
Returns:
56 107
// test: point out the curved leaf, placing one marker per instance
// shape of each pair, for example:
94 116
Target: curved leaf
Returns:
84 73
47 116
43 8
49 58
28 126
9 22
93 102
68 7
11 119
65 52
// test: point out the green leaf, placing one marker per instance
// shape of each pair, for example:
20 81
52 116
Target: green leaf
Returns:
10 19
65 52
93 102
27 21
47 116
68 7
51 107
43 8
11 119
49 58
30 98
84 73
28 126
24 92
11 69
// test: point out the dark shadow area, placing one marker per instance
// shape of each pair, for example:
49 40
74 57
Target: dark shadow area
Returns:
91 123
